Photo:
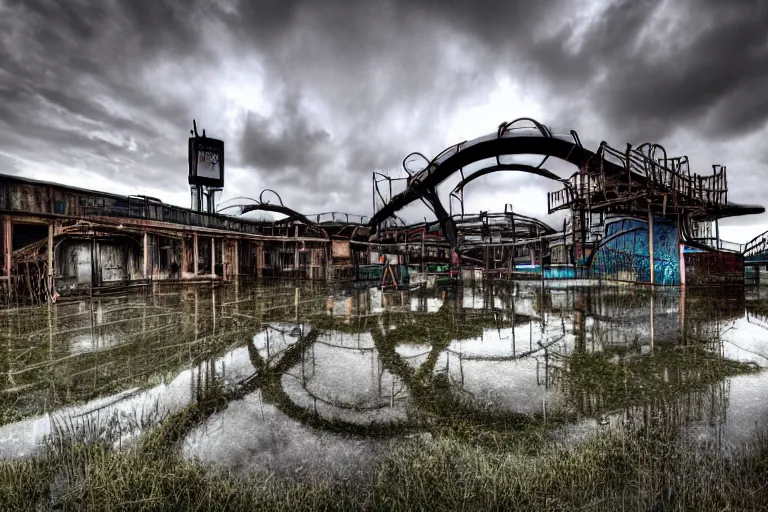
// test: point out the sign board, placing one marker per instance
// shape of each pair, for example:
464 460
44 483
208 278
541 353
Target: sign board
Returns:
340 249
206 162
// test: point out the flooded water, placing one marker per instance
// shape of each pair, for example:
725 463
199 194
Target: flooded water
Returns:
320 380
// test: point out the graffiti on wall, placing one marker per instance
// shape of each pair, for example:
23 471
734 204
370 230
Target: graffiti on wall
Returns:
625 254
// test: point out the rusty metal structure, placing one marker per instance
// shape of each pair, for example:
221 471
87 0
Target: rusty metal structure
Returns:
635 215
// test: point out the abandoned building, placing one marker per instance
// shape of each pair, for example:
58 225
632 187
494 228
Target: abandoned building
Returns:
635 215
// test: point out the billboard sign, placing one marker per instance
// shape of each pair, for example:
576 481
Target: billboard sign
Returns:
206 162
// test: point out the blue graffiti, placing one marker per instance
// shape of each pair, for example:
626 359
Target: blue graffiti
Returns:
628 253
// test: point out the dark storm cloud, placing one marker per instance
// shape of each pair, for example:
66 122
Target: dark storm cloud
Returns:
709 64
58 60
351 87
285 142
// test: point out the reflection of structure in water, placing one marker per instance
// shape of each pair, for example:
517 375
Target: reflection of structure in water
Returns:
341 377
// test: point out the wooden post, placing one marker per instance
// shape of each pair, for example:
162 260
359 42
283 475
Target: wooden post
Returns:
259 260
195 254
650 243
145 264
423 265
236 269
296 269
51 285
213 256
296 272
50 250
7 245
184 258
226 257
327 254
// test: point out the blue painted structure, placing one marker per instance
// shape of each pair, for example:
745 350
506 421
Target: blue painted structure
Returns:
627 251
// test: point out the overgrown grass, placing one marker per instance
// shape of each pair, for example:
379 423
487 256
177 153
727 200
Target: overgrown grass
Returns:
613 471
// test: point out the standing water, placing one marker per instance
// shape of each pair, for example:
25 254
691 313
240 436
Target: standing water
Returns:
320 382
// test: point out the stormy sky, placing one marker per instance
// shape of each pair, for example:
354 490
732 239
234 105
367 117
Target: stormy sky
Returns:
312 96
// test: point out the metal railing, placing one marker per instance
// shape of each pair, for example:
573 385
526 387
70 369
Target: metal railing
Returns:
672 174
340 217
756 247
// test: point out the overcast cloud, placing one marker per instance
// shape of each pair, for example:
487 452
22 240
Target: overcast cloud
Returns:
312 96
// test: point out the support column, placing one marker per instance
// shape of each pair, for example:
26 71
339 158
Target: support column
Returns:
145 265
213 256
226 257
236 257
650 244
423 267
51 283
7 245
681 253
260 260
195 254
184 258
296 269
50 250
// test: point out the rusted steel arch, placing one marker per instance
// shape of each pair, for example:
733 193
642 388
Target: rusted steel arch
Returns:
261 205
538 171
506 141
277 208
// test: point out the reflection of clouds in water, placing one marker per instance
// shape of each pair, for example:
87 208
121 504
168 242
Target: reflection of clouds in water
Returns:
426 304
341 377
514 341
276 337
506 386
252 435
121 412
746 341
475 298
414 355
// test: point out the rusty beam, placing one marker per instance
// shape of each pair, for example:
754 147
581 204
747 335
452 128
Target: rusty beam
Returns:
195 253
213 256
7 245
129 222
50 250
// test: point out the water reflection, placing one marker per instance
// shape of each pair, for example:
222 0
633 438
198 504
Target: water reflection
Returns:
320 378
